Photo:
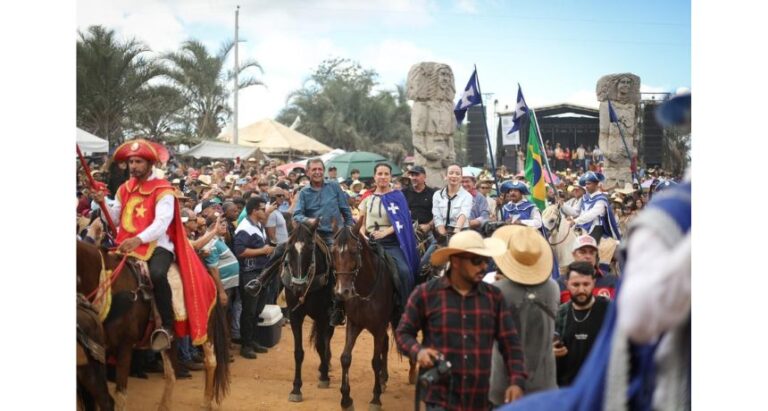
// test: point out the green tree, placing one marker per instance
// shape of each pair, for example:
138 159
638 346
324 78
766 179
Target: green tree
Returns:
338 107
112 76
206 85
158 114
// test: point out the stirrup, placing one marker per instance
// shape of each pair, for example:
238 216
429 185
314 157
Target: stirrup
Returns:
160 340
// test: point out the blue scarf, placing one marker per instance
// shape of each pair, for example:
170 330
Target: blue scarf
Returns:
400 218
608 220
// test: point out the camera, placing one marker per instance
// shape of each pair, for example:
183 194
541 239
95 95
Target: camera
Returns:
440 371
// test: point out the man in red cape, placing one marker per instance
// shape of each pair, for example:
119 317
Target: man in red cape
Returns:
150 229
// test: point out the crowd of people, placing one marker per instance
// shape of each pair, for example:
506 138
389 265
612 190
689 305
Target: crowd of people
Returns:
238 217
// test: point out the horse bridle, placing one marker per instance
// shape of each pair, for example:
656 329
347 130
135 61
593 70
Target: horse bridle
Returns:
358 266
311 272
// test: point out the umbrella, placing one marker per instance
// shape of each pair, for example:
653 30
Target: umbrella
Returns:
361 160
287 168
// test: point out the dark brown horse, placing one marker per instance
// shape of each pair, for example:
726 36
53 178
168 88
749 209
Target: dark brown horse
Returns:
308 291
364 281
127 322
92 390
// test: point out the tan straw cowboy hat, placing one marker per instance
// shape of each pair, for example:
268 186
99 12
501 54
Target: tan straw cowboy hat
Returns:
468 242
528 259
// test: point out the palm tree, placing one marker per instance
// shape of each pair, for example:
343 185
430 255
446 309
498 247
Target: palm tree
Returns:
205 84
111 75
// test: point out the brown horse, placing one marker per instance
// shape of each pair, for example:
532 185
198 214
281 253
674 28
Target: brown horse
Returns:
128 320
92 390
308 291
364 281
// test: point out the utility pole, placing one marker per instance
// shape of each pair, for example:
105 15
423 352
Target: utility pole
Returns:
237 68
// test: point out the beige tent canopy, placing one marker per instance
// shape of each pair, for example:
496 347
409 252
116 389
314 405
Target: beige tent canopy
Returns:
273 138
219 150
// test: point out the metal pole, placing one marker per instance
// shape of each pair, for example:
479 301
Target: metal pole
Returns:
485 124
237 68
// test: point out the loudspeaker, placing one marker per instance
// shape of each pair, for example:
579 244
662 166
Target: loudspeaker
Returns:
653 136
477 150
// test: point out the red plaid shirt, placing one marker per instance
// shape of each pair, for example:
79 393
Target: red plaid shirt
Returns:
463 329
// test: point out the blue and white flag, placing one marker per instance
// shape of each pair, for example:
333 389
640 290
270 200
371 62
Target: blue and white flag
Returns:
521 110
400 217
471 97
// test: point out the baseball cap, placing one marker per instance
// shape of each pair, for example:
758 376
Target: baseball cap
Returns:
584 241
417 170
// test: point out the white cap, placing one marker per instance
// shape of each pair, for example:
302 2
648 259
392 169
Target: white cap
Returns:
584 241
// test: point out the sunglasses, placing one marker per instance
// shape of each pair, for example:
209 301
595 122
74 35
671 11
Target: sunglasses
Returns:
474 258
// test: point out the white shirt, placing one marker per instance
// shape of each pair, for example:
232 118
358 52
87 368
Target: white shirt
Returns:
461 204
157 230
591 215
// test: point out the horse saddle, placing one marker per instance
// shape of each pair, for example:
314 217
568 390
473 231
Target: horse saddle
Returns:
88 332
390 265
140 270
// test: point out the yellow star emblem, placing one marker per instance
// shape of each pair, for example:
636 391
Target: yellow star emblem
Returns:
140 211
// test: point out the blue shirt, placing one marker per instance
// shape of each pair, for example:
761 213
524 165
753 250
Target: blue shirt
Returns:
221 257
249 235
328 202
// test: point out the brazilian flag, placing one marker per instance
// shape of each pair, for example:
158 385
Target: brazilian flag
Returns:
534 166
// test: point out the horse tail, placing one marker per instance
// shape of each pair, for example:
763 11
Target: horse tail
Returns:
219 333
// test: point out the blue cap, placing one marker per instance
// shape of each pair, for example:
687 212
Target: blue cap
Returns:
591 177
515 185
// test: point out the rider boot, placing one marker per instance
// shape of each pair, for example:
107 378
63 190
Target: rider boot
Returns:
158 271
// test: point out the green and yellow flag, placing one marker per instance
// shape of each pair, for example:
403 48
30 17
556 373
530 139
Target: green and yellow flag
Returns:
533 165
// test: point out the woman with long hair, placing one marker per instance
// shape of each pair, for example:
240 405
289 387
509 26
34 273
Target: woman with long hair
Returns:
387 222
451 206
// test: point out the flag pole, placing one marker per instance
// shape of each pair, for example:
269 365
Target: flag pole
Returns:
544 149
485 126
626 147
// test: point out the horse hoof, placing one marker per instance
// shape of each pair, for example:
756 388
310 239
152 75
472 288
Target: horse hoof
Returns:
374 407
350 408
295 398
324 384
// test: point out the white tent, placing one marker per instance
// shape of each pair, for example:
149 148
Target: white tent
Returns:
91 144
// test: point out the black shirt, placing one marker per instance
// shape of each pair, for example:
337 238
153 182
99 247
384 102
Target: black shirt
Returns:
578 330
420 204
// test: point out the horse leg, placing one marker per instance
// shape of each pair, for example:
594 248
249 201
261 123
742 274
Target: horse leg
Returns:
209 359
170 381
375 404
323 347
122 369
297 321
384 362
353 332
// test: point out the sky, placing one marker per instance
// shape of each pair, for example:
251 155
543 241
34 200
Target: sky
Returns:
555 49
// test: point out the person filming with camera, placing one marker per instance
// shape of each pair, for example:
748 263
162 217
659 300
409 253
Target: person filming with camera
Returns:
461 317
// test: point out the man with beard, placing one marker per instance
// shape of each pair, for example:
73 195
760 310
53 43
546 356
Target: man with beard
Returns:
585 249
519 210
578 321
480 213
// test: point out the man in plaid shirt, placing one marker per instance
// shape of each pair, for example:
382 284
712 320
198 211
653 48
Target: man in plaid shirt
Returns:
460 317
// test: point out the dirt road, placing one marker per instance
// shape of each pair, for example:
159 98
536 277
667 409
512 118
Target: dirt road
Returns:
264 383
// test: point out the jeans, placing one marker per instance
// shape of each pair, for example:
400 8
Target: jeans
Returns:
249 316
235 308
186 350
430 249
392 248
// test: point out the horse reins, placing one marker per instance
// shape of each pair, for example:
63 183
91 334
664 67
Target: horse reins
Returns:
115 273
356 271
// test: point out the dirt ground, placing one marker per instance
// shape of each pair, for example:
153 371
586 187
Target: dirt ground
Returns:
264 383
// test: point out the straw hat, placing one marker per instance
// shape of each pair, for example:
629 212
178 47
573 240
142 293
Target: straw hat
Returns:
205 179
628 189
468 242
528 259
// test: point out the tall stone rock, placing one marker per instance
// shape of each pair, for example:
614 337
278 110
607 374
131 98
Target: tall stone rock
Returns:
623 90
432 88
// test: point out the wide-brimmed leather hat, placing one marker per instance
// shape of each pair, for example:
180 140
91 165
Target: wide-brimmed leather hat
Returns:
468 242
528 259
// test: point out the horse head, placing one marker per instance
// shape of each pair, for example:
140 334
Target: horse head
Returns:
300 262
346 253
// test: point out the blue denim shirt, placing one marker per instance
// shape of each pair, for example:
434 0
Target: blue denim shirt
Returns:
328 202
